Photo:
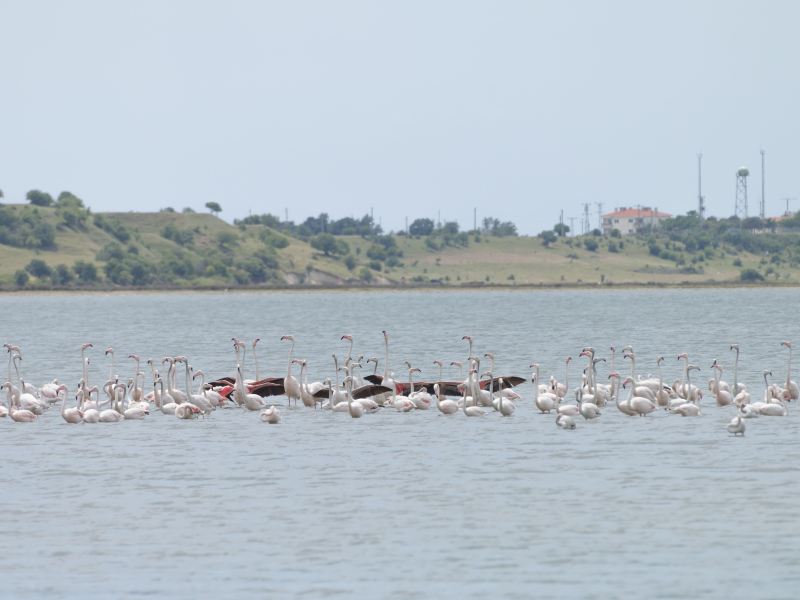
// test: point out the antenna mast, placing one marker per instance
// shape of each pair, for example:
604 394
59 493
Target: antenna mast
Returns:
701 209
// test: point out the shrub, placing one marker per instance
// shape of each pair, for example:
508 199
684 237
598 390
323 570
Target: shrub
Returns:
85 271
590 244
21 278
38 268
750 276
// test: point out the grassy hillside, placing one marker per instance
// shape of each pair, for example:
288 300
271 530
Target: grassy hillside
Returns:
168 249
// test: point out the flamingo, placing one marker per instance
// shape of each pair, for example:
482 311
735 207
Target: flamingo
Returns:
662 396
113 414
720 392
622 405
543 401
255 360
736 426
588 410
271 415
472 411
742 396
445 406
688 408
90 414
641 405
70 415
20 415
164 401
201 400
791 389
290 383
354 408
504 408
565 422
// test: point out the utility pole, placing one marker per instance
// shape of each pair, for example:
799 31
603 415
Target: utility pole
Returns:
372 214
406 225
572 225
586 226
475 220
600 215
286 215
701 209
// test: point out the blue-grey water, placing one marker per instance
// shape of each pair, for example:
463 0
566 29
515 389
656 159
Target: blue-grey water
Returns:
393 505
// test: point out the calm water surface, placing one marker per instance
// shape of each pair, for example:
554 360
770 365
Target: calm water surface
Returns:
402 505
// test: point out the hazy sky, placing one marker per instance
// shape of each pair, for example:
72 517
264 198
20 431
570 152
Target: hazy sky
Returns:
516 108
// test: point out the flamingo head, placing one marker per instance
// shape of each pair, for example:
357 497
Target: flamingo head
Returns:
683 355
613 374
255 341
198 373
786 344
109 350
287 338
135 357
735 347
86 345
347 336
659 360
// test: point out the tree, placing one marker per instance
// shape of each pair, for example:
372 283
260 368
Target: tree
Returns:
327 244
86 271
39 198
548 237
590 244
21 278
560 229
38 268
69 199
421 227
214 207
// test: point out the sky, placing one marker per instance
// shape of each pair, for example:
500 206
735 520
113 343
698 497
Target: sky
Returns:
409 109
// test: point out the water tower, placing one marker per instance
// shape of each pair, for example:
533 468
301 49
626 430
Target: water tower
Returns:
740 210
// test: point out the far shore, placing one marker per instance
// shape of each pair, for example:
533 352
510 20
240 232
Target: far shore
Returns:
401 288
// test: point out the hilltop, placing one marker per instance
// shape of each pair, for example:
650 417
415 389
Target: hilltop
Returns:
69 247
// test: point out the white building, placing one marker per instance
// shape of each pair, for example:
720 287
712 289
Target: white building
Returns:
631 220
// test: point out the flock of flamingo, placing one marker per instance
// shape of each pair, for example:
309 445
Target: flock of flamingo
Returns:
477 394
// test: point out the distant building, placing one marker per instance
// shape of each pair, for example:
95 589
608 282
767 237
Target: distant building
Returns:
631 220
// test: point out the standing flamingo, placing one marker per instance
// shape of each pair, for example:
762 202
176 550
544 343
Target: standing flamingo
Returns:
290 383
791 389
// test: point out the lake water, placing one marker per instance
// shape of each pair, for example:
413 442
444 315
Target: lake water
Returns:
397 505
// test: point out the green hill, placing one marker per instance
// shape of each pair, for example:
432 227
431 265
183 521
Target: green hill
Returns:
58 247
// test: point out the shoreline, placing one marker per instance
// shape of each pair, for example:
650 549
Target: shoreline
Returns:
478 286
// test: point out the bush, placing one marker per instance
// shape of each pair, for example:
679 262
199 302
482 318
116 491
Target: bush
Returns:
737 262
750 276
112 227
182 237
365 274
39 198
591 245
375 265
350 262
61 275
38 268
612 247
21 278
85 271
